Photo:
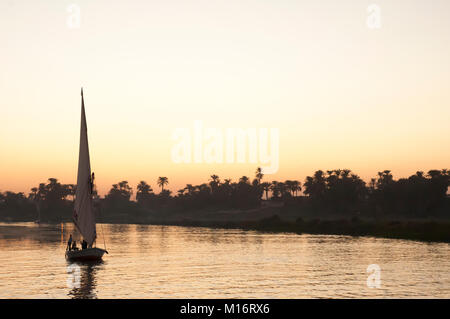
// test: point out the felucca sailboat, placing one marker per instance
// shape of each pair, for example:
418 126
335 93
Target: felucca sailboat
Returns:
83 213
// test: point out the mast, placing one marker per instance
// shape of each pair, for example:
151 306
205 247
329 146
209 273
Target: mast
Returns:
83 214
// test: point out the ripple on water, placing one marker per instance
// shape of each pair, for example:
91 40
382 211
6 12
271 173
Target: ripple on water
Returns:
181 262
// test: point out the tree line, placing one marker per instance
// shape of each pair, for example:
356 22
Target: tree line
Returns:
333 192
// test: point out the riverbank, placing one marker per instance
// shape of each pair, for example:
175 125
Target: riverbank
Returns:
276 219
410 230
272 219
268 221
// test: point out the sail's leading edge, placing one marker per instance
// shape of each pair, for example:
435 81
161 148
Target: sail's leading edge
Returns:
83 214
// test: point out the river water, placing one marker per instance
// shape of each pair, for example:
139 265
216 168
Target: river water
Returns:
147 261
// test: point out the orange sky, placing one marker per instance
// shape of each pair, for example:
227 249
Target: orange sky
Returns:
340 94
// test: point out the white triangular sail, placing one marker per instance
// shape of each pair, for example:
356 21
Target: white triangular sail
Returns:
83 215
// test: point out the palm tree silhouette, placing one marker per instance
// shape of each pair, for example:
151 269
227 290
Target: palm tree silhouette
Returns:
34 193
162 181
244 180
215 178
190 189
290 186
259 175
144 188
296 187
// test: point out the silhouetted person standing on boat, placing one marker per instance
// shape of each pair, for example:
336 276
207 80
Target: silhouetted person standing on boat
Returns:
69 243
84 244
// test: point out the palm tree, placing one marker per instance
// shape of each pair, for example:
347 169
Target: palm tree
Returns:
215 178
345 173
384 178
296 186
33 195
290 186
259 175
275 189
123 186
283 189
190 189
144 188
214 183
144 191
244 180
162 181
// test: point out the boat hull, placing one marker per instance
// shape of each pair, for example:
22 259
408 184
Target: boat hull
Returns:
88 254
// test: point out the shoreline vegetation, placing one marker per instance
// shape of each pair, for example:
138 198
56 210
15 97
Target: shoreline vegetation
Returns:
335 202
427 231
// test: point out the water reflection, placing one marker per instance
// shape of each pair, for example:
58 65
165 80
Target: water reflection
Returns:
87 282
39 233
175 262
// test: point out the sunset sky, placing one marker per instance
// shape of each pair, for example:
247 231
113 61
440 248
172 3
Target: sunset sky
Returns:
341 94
